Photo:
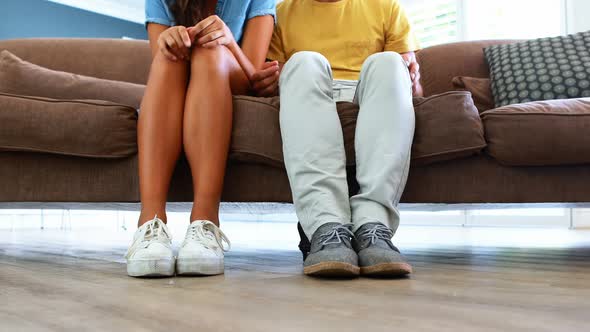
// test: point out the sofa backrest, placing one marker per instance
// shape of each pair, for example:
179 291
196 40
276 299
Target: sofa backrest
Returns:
129 60
439 64
115 59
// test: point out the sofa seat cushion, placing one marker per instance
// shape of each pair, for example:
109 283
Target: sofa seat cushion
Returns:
545 133
24 78
84 128
256 133
448 127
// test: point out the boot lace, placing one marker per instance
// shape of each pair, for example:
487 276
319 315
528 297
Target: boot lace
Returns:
337 234
377 232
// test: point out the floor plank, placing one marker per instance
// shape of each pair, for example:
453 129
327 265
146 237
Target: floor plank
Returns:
62 281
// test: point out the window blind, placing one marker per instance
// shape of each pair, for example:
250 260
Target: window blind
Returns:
435 21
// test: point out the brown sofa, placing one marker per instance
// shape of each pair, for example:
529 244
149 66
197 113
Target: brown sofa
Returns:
253 174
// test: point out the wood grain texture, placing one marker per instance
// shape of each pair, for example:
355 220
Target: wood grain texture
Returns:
59 282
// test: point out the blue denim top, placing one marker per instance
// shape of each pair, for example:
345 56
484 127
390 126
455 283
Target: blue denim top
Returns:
235 13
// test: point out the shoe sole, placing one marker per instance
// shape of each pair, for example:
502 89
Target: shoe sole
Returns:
151 268
387 270
332 269
199 267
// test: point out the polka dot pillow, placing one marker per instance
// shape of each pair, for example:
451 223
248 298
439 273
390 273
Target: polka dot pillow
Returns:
540 69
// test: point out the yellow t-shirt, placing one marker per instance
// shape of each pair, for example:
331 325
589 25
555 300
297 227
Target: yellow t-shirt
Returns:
346 32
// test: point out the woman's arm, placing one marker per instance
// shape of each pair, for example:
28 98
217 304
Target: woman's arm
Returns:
255 42
213 32
154 31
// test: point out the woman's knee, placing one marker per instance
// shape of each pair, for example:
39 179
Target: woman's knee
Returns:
167 80
219 62
215 60
161 63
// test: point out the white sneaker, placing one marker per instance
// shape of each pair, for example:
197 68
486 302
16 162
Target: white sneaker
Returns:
202 251
151 253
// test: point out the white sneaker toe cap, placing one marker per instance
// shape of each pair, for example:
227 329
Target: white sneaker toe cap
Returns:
196 251
154 251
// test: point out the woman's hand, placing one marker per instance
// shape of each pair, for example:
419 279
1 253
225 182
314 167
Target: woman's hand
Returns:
175 43
211 32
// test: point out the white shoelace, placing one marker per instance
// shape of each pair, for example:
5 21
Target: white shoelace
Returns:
156 231
207 234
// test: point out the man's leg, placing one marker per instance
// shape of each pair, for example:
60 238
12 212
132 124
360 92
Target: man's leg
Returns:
313 149
313 145
383 141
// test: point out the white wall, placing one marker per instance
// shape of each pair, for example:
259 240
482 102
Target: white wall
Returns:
510 19
578 18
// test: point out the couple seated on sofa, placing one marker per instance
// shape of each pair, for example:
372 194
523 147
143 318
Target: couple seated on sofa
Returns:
320 52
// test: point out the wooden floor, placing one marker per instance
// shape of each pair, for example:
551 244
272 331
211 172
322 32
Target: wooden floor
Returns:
58 281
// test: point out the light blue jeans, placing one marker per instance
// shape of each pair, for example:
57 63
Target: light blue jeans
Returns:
313 145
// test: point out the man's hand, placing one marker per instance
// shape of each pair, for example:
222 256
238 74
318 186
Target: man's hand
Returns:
265 82
414 68
415 76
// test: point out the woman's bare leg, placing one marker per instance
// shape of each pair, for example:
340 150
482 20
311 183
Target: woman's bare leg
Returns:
159 133
215 75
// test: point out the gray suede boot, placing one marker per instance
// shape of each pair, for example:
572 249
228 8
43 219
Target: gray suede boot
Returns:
377 254
331 253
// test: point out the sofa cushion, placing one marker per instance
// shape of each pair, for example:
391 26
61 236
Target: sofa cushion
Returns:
541 133
447 127
440 63
540 69
85 128
256 134
24 78
480 88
